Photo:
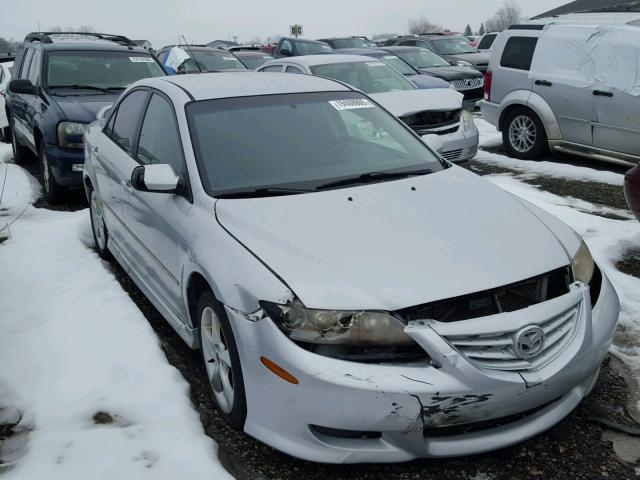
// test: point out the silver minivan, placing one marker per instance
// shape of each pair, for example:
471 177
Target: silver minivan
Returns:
552 86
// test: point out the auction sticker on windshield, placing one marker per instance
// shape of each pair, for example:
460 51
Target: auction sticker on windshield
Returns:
351 104
229 58
141 59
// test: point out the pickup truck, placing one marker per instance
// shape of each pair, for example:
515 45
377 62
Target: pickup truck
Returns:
294 47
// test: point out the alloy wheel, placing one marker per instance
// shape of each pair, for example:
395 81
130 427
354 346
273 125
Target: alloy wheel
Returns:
217 359
522 133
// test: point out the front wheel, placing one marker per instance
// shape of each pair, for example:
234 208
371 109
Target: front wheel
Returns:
523 134
53 192
21 154
221 360
98 225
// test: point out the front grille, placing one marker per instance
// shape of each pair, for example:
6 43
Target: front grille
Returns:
495 351
468 83
508 298
452 155
426 122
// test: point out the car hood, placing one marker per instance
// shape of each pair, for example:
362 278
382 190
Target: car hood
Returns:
452 73
427 82
84 108
473 58
407 102
389 246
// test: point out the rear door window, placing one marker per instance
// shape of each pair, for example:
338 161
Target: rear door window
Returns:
272 68
518 53
127 119
291 69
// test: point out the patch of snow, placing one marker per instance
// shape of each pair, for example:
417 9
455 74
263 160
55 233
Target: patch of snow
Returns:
72 344
489 135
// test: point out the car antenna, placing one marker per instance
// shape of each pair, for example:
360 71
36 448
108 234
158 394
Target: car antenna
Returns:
191 53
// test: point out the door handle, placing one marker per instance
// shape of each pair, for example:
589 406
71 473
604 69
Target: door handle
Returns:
600 93
544 83
126 186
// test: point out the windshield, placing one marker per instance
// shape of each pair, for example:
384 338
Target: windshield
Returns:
351 43
423 58
255 62
370 77
298 141
100 70
310 48
211 61
453 45
397 63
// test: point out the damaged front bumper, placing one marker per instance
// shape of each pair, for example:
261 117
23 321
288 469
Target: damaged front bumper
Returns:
348 412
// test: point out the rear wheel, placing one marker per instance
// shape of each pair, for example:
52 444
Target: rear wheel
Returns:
53 192
523 134
221 360
21 154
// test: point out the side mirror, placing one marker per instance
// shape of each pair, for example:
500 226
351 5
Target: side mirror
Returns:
20 85
155 178
104 112
286 52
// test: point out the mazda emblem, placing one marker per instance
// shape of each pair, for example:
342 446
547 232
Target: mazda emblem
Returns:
529 342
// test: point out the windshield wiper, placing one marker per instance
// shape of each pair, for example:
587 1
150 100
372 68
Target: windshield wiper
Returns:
373 176
82 86
263 192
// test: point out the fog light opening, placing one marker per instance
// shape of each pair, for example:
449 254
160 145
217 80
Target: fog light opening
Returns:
279 371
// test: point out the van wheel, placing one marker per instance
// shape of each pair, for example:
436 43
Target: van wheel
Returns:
21 154
523 134
221 360
53 192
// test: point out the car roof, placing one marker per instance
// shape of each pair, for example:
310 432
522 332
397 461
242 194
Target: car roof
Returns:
304 40
186 48
402 48
208 86
324 59
77 44
361 51
252 53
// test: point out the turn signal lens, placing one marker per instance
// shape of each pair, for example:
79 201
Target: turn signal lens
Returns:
279 371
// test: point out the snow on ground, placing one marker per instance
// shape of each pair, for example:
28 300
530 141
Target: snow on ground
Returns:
490 137
73 344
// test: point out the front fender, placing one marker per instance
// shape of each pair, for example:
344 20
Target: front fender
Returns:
536 103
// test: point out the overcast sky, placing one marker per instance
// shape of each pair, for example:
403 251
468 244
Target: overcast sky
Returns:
161 21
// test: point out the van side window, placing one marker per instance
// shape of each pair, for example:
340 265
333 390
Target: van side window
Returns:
518 53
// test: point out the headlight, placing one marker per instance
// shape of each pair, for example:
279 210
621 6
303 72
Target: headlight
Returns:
467 119
337 327
582 264
70 134
463 63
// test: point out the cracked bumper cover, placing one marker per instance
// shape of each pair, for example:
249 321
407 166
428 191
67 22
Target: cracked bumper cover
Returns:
402 401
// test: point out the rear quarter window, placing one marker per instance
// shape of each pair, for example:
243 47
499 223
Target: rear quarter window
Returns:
518 53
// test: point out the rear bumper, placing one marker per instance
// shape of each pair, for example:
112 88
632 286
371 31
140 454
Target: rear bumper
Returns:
62 163
396 408
632 190
3 115
490 112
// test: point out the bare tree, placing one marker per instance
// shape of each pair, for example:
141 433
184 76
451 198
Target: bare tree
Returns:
422 25
506 16
81 28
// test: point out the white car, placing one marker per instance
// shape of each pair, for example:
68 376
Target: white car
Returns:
5 78
434 114
355 297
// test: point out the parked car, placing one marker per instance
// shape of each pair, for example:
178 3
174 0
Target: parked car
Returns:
632 190
454 48
59 84
319 254
419 79
487 41
292 47
204 59
468 81
348 42
474 40
222 44
435 115
556 87
252 59
6 62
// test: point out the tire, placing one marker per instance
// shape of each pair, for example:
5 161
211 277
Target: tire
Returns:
53 192
523 135
21 154
221 360
98 225
5 135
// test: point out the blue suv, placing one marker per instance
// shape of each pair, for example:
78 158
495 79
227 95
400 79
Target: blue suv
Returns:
60 82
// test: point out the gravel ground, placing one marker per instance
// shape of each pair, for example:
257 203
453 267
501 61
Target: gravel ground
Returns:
572 449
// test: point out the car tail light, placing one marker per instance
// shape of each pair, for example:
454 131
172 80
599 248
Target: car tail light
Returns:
488 77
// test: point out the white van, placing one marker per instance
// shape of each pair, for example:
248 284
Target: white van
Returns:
570 84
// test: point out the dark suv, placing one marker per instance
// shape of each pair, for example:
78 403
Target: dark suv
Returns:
60 82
